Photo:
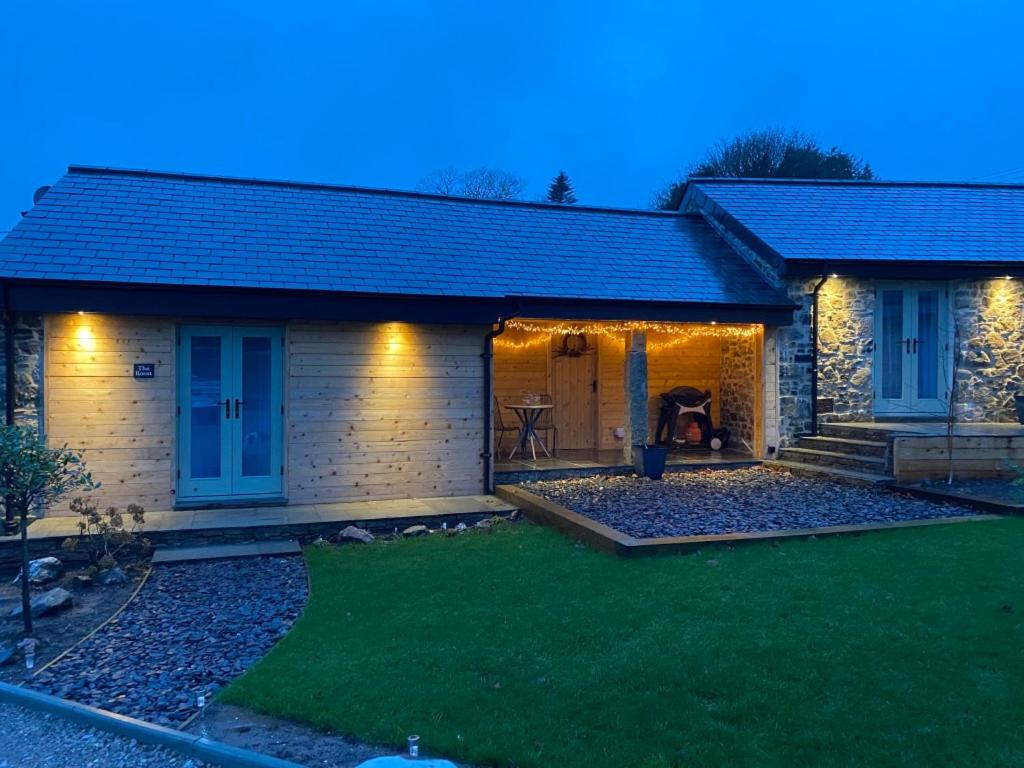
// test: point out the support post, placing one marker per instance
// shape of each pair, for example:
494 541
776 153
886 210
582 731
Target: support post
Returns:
636 392
11 520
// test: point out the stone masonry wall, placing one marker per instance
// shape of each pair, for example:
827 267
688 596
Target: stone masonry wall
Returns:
845 353
737 393
989 316
793 345
28 371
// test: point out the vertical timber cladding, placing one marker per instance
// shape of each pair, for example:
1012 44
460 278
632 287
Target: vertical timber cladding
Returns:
124 426
383 411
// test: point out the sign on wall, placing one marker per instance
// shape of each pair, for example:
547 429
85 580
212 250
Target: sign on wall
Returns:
144 370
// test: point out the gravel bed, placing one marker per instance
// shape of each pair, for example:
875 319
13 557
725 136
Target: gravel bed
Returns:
44 741
192 628
732 501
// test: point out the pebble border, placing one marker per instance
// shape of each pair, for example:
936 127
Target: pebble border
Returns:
606 539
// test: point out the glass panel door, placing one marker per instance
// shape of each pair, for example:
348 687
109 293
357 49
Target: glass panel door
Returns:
205 436
911 351
891 342
257 410
231 415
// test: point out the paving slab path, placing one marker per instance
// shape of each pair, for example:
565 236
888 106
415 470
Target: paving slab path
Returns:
192 628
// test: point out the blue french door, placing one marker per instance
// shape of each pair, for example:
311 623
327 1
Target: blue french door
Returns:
912 359
230 421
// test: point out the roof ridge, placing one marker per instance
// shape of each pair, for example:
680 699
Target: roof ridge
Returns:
853 182
94 170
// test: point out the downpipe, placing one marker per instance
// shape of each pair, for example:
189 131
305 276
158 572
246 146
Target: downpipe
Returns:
814 353
488 358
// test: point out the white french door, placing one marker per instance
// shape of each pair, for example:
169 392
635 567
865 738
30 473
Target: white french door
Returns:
230 414
912 360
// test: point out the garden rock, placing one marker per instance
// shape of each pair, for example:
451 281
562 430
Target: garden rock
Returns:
51 601
416 530
112 577
42 571
353 533
83 581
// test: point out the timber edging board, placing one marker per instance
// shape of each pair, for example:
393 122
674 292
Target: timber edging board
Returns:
606 539
985 504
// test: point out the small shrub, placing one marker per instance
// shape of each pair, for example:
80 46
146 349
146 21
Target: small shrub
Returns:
104 535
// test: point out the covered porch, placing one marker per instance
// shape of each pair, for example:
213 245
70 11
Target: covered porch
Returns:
595 390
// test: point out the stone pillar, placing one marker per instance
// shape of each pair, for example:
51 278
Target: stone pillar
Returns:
28 371
636 392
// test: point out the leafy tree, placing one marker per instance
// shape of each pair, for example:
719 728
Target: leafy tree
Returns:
769 154
483 182
560 190
31 475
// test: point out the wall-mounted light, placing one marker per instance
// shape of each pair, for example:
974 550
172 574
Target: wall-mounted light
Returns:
86 341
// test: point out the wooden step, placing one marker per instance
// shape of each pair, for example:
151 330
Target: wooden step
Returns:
870 432
830 473
820 458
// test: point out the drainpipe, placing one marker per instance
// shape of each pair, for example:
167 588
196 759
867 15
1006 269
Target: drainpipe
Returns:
10 523
814 353
488 357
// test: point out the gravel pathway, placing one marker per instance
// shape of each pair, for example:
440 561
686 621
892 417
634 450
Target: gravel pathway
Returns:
34 740
192 629
731 501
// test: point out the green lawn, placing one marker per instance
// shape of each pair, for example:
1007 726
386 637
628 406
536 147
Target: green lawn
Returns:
519 648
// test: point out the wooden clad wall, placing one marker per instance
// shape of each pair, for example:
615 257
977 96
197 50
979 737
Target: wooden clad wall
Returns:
696 362
521 366
383 411
124 427
611 389
373 411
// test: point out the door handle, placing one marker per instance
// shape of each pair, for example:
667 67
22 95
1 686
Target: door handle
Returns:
227 408
238 404
915 346
907 342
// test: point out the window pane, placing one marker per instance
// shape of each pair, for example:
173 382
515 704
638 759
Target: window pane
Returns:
255 413
928 344
205 399
892 345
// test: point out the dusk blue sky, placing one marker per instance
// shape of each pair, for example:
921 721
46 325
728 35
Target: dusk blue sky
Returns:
623 96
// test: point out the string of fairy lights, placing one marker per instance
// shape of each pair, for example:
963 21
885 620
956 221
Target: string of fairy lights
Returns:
680 333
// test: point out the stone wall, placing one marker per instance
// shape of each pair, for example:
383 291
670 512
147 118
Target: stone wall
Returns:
28 371
989 316
845 353
738 390
793 349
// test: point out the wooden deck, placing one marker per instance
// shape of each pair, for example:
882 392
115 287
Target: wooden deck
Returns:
582 462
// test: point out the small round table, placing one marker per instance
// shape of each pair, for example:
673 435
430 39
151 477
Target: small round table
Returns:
528 416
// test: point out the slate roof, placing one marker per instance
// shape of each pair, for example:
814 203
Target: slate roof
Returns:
122 226
873 221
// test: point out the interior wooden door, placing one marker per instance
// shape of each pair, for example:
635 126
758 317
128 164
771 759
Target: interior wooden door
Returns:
574 392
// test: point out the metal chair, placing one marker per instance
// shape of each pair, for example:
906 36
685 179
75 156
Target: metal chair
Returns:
546 421
500 427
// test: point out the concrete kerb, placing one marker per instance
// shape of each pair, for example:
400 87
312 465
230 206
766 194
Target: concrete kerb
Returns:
190 745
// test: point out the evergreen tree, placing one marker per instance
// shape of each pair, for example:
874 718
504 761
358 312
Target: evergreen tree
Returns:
560 190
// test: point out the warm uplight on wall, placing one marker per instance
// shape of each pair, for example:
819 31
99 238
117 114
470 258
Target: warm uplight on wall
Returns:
86 341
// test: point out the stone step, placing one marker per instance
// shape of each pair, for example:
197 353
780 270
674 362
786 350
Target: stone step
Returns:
845 445
855 433
225 551
833 459
830 473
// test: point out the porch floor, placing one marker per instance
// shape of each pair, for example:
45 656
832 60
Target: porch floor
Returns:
400 512
935 428
587 461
